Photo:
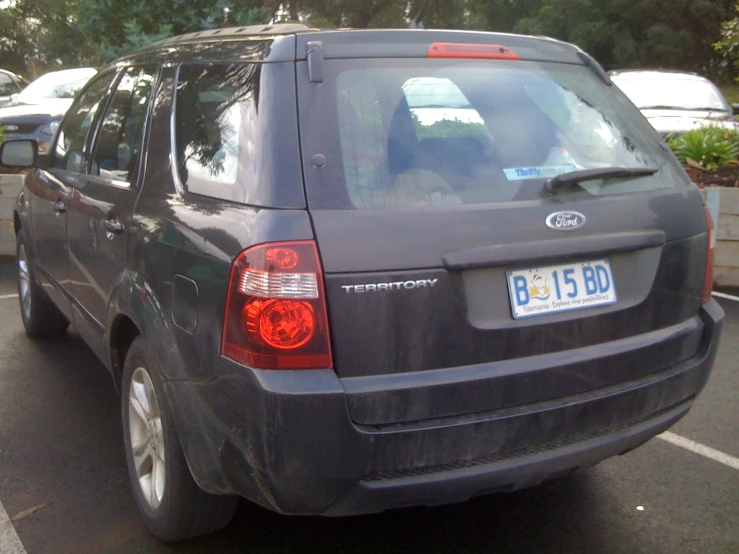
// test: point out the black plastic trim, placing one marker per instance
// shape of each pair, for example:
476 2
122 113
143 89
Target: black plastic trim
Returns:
594 245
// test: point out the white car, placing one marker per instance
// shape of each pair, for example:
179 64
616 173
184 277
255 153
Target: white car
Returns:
675 102
36 112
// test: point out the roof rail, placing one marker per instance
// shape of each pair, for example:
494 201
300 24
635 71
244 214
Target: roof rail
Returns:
233 32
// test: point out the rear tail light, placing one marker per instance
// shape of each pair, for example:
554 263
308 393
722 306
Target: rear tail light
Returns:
708 282
276 309
473 51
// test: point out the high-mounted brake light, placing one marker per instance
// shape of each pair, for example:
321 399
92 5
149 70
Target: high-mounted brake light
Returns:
473 51
276 314
708 281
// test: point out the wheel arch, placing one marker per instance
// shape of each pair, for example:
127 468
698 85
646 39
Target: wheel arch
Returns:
16 222
123 332
135 310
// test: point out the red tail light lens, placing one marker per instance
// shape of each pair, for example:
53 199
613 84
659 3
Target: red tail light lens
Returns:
471 51
282 324
276 314
708 282
284 258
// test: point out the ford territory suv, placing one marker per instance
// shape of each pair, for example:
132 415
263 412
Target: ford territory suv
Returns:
339 272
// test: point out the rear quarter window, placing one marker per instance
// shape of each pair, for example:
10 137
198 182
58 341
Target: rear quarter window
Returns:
236 136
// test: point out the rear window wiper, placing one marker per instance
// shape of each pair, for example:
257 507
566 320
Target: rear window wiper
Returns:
575 177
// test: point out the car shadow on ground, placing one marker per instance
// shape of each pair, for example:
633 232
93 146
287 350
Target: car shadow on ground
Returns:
552 517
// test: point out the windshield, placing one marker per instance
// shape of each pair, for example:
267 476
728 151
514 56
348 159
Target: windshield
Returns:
669 92
58 84
425 133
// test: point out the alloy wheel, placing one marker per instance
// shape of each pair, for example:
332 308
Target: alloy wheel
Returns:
146 437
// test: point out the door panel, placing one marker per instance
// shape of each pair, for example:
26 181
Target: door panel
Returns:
51 190
103 202
97 252
431 188
48 196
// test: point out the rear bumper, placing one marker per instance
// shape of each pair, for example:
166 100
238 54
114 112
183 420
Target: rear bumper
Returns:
285 439
506 474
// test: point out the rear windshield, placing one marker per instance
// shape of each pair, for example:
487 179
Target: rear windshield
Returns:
405 133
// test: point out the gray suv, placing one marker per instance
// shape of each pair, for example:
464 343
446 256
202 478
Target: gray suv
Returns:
345 271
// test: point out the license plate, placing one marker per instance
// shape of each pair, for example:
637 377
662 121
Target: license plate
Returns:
561 288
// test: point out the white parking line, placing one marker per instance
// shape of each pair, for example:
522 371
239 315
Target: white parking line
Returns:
702 449
6 296
727 296
10 542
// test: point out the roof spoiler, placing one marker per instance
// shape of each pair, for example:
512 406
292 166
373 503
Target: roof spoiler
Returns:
595 67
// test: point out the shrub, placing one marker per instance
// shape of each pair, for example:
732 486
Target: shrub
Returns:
711 147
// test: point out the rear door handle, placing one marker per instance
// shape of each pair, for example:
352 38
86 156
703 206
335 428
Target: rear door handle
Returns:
60 207
114 226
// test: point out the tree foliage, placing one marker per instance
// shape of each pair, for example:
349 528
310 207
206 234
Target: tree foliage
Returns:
619 33
636 33
120 26
729 43
41 34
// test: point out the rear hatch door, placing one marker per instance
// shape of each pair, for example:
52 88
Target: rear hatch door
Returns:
445 257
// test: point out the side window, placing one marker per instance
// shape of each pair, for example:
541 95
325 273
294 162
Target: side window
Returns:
118 146
7 87
70 152
19 84
216 116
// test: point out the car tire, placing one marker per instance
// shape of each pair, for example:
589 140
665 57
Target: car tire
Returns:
172 506
40 316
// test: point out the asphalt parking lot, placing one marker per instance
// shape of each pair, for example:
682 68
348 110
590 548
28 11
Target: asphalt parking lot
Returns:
63 482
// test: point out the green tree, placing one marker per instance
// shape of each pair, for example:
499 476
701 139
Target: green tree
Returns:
636 33
14 41
140 22
728 45
47 34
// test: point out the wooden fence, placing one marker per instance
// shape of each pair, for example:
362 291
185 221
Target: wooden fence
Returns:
726 264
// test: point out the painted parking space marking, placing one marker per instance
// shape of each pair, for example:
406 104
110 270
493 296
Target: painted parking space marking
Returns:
10 542
701 449
726 296
8 296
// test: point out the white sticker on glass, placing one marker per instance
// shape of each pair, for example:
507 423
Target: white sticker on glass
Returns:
522 173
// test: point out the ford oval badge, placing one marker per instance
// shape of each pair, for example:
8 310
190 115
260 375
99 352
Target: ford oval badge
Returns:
565 221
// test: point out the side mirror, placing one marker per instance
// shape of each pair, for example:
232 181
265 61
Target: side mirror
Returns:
18 154
735 109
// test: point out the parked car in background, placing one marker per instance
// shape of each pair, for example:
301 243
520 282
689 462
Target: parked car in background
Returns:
339 272
37 110
10 85
675 102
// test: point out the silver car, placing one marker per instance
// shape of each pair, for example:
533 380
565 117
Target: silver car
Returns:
675 102
36 112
